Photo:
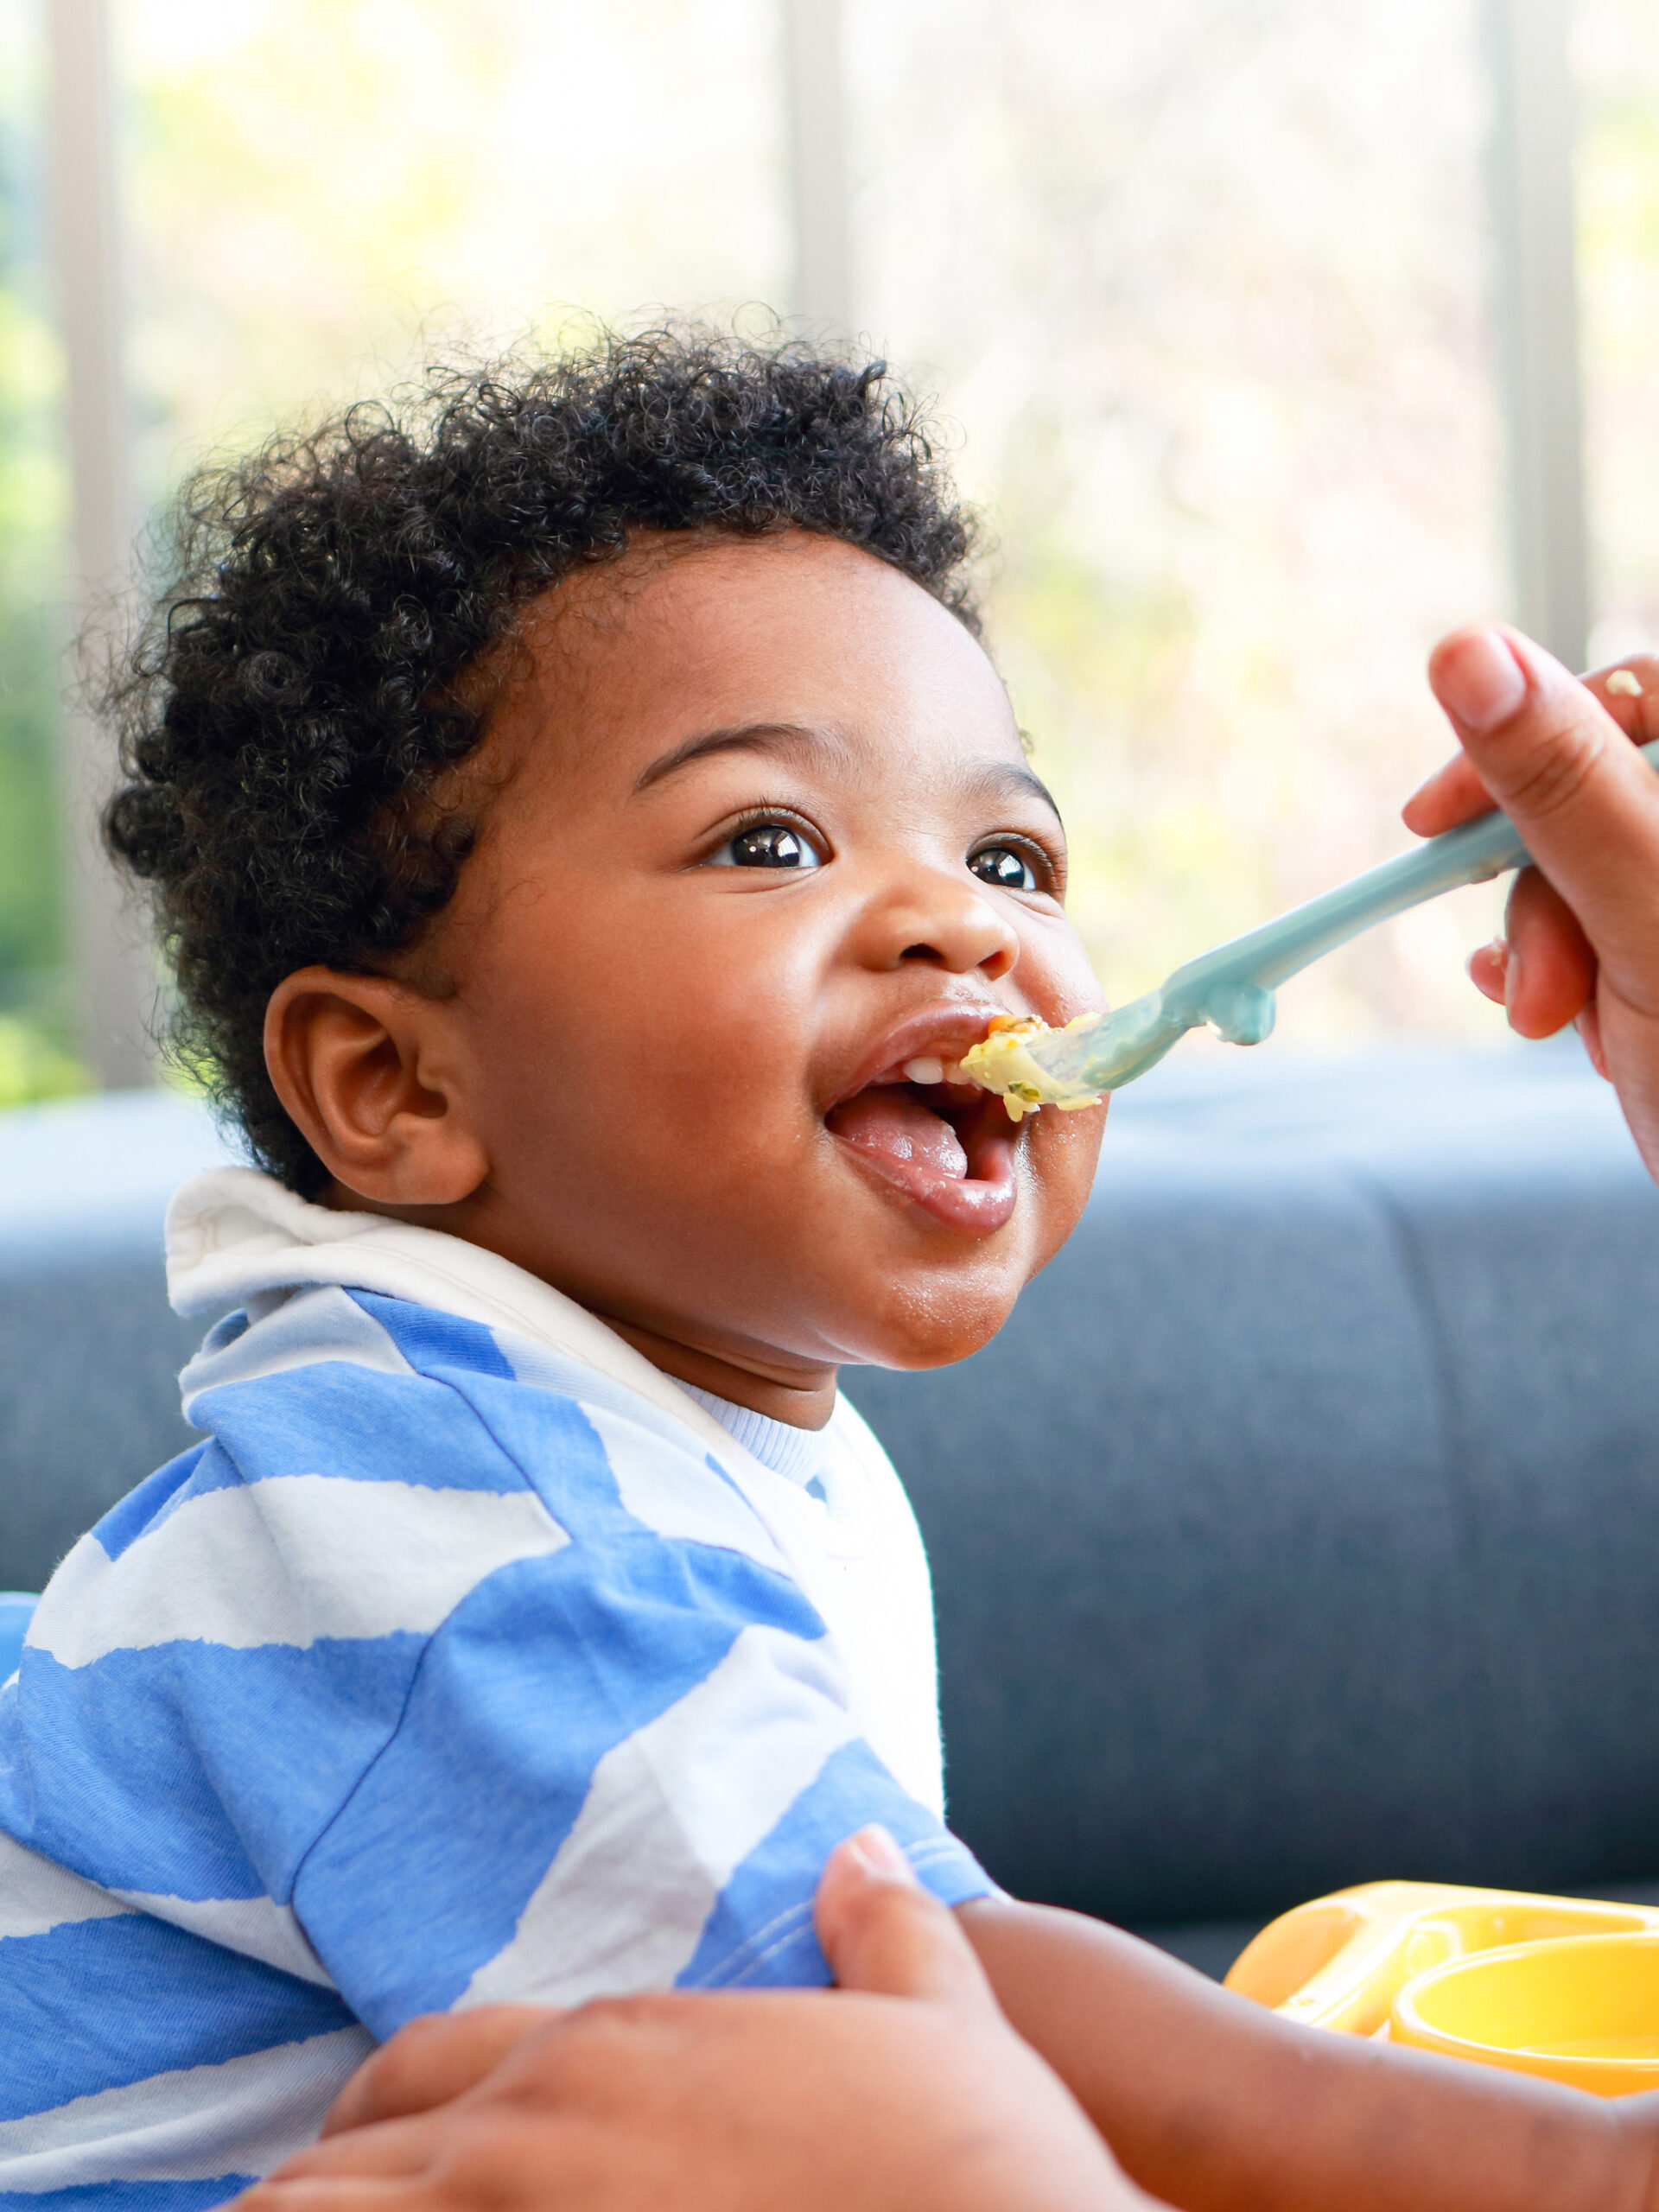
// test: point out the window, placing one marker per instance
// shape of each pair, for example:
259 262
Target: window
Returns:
1261 381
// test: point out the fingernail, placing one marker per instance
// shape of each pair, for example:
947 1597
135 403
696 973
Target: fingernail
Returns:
1482 682
882 1855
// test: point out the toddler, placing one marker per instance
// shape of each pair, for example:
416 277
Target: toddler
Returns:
584 828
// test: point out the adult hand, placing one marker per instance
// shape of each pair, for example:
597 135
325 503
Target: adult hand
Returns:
903 2091
1581 935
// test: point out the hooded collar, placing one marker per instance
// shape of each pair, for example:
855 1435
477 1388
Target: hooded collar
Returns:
234 1234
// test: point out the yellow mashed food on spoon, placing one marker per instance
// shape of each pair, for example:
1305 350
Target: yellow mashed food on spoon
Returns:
1002 1061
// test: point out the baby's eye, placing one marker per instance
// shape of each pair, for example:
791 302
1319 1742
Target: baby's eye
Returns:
1004 864
767 844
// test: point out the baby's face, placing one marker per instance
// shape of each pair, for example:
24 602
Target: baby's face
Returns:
766 837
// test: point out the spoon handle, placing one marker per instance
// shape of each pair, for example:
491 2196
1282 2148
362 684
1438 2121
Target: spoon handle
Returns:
1266 956
1232 986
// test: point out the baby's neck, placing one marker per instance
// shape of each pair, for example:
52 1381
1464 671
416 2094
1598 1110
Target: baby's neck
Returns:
802 1393
804 1397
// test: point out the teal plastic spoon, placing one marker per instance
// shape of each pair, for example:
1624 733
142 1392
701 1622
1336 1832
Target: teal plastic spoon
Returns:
1232 987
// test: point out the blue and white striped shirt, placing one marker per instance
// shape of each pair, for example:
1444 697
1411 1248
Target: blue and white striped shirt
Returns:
469 1658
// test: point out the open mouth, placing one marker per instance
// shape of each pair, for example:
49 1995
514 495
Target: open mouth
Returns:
948 1146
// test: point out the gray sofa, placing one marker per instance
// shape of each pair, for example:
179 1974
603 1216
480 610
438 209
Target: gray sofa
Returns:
1301 1528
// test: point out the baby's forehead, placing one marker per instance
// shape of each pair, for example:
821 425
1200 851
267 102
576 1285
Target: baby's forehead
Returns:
685 632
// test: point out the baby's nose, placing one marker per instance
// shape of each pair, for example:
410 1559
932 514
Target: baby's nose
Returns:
950 924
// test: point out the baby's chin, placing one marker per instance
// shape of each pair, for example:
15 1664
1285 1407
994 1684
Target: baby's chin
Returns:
937 1327
909 1310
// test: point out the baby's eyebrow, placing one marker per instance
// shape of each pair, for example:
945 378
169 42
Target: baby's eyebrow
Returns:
1003 779
988 779
746 737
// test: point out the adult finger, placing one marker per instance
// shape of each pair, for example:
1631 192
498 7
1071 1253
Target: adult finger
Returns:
331 2193
881 1932
1562 769
434 2059
1549 969
1455 792
389 2148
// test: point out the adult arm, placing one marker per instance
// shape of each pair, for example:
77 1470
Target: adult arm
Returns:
1210 2100
828 2102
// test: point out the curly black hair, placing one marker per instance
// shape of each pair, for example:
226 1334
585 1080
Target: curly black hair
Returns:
294 697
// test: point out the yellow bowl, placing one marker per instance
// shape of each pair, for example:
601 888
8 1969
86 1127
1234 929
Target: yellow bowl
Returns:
1340 1962
1582 2009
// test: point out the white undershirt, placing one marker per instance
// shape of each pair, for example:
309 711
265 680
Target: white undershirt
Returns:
796 1453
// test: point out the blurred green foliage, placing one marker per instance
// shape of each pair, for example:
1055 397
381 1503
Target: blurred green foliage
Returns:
32 1067
33 1008
34 998
30 926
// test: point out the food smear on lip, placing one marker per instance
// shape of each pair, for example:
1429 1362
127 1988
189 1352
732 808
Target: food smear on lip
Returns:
1001 1061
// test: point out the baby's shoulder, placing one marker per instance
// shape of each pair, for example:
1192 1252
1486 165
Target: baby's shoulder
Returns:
364 1440
342 1381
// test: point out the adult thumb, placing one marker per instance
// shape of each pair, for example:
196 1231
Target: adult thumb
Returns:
1565 772
882 1933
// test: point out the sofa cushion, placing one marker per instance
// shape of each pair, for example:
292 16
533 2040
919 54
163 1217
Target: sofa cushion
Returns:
90 1351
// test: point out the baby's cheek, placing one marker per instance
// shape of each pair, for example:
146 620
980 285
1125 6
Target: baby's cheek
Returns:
1061 1156
1058 970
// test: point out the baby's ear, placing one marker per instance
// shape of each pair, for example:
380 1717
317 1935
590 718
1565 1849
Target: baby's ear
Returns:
369 1070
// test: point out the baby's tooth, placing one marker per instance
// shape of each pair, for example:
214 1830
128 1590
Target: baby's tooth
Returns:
924 1070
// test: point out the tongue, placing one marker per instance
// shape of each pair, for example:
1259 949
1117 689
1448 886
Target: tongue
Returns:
893 1122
